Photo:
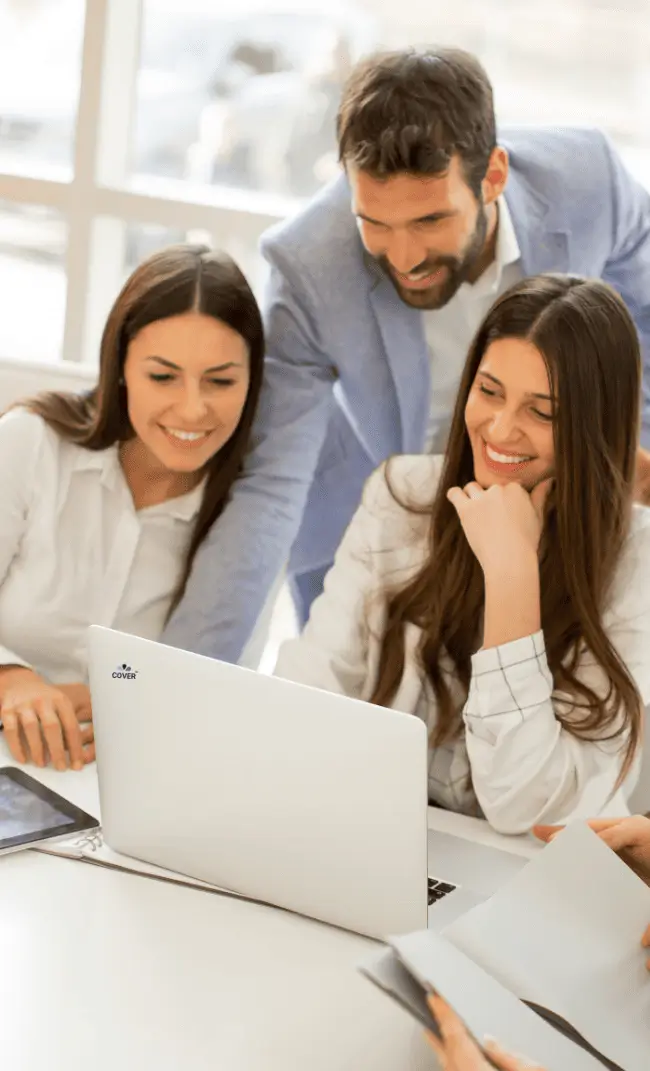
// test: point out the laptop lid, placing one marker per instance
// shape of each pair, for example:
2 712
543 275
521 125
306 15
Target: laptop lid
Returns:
308 800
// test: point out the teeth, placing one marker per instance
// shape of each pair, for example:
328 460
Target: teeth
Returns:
187 436
504 459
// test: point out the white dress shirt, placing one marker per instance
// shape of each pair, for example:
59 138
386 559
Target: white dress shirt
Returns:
75 552
449 331
524 767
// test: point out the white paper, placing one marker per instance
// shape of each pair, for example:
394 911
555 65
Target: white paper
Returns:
566 933
485 1006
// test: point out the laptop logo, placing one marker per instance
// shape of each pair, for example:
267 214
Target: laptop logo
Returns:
125 672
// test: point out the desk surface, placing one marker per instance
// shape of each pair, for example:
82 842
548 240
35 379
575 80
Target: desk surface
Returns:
105 970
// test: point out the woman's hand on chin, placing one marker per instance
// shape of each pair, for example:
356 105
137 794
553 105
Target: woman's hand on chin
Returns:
503 524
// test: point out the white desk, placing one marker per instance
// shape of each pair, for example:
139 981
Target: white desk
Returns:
110 971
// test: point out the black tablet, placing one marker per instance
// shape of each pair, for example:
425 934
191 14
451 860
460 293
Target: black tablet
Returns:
30 813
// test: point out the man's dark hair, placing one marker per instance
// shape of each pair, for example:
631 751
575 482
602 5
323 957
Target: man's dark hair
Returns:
411 111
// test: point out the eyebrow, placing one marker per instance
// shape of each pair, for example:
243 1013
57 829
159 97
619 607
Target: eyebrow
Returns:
433 217
208 371
529 394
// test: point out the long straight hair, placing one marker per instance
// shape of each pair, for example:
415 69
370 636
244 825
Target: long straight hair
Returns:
177 280
591 349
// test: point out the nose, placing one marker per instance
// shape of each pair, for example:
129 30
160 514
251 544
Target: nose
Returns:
503 427
192 406
405 252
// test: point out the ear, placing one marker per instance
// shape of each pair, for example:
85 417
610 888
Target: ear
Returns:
539 494
496 175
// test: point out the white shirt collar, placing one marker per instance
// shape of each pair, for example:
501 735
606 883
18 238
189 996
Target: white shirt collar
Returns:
183 508
506 252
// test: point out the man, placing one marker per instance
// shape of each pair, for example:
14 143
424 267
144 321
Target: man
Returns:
375 291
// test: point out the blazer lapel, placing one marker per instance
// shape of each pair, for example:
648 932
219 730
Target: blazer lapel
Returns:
544 246
402 332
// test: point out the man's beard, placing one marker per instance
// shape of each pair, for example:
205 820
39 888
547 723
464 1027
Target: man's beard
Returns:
457 270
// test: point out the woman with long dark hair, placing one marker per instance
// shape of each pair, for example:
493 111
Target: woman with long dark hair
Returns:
502 593
107 496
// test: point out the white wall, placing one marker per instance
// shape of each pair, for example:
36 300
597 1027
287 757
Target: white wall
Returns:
19 379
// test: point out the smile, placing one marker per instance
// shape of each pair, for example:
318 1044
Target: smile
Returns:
419 282
496 460
186 438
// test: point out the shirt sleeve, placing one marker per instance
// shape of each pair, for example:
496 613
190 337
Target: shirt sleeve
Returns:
527 768
22 435
332 651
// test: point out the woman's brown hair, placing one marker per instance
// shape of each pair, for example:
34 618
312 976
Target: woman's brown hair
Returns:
591 349
176 280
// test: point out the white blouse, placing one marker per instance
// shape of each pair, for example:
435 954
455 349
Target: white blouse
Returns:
75 552
514 762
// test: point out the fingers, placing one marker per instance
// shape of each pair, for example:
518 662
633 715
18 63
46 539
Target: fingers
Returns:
458 499
30 725
540 493
625 833
438 1048
459 1049
12 735
546 833
505 1061
53 736
71 731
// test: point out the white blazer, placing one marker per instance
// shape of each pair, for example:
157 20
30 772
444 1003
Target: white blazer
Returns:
525 768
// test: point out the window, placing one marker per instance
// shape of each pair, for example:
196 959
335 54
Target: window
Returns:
127 124
32 276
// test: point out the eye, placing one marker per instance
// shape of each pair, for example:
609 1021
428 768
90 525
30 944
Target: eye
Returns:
222 382
160 377
484 390
548 417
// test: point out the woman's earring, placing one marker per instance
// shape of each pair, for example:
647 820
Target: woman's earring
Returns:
121 381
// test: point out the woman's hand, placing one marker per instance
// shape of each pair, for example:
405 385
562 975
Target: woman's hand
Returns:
39 718
457 1052
79 696
503 524
628 837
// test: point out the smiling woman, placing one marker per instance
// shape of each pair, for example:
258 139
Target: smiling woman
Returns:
502 593
126 481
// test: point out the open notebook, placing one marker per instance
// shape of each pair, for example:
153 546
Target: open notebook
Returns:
551 964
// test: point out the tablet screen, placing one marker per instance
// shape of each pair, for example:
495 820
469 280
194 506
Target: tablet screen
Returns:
31 812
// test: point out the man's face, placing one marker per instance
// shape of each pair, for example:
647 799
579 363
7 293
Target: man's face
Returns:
428 233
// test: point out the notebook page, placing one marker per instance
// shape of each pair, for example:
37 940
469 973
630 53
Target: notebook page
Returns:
565 933
487 1007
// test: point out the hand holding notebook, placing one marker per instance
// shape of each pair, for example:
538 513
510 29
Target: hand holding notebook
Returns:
564 938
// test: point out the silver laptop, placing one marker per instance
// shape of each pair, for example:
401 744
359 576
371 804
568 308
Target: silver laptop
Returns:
280 792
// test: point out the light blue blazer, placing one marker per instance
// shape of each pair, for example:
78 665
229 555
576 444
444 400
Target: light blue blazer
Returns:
347 379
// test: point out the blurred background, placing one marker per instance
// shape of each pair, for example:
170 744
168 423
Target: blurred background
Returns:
127 124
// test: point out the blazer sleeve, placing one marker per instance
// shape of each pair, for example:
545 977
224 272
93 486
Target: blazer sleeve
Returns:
22 437
526 768
247 548
628 266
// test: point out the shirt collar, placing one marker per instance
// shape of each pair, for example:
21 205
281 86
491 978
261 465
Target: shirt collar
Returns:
506 252
107 463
